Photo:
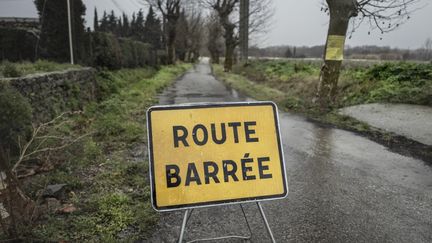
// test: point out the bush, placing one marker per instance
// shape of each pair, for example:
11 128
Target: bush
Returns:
17 44
401 72
115 53
15 117
10 70
45 66
106 85
106 51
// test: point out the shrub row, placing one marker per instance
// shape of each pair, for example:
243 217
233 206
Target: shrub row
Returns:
108 51
17 45
100 49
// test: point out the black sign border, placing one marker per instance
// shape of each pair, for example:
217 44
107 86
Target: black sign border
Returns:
219 202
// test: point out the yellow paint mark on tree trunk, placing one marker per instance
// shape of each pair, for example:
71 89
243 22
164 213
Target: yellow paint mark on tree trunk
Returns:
335 47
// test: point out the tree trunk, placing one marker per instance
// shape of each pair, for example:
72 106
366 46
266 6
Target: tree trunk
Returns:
214 57
229 56
340 13
171 36
189 56
230 43
244 30
171 51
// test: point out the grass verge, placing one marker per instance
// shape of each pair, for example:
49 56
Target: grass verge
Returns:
13 70
107 173
292 86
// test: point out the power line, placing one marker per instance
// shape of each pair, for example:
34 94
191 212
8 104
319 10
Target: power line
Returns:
118 6
137 5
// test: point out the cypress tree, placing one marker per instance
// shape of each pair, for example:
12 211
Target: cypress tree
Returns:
137 26
112 22
104 22
125 27
95 21
119 28
54 37
132 25
153 30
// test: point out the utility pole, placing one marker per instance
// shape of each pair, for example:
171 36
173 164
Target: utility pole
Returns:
70 32
244 30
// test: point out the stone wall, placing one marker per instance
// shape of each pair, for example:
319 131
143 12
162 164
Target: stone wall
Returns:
52 93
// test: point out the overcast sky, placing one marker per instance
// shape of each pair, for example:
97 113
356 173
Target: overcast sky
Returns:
295 22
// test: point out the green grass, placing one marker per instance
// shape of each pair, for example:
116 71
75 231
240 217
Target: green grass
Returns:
393 82
11 70
292 85
260 90
408 83
289 83
109 185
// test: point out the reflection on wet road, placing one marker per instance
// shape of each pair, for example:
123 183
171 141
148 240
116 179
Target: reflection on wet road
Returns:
343 187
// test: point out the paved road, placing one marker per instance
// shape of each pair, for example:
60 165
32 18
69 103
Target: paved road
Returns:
343 187
412 121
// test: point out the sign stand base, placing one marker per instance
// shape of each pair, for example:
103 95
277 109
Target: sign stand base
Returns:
188 214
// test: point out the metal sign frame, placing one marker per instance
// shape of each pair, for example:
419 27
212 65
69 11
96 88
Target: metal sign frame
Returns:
188 214
221 202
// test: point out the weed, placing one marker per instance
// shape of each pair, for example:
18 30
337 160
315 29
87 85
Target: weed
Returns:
113 213
111 190
10 70
386 82
25 68
15 118
92 151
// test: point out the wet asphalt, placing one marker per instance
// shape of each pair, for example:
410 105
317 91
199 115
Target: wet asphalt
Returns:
342 187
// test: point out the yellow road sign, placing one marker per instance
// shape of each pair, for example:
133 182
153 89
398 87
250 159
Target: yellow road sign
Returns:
210 154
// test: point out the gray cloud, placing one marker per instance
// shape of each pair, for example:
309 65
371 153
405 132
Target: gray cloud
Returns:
295 22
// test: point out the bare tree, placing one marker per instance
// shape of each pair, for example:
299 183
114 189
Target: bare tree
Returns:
170 10
214 35
384 15
260 18
428 49
196 30
227 11
190 31
17 210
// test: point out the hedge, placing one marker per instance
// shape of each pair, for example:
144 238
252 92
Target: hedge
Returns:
17 44
100 49
106 50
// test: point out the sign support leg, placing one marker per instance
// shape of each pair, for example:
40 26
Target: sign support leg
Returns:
266 222
188 214
185 219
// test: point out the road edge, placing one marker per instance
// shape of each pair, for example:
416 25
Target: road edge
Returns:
394 142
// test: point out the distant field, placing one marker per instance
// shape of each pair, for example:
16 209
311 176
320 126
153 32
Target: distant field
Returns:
346 62
10 70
